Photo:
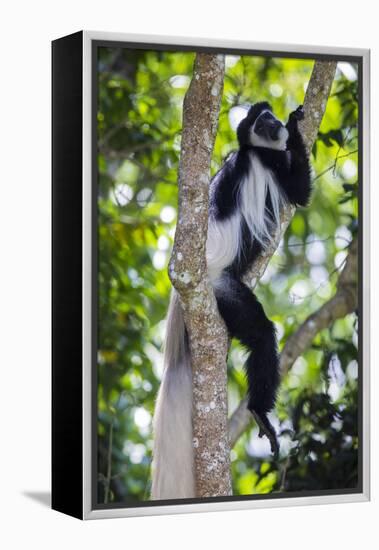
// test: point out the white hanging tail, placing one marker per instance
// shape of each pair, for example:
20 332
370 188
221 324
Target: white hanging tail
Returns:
173 464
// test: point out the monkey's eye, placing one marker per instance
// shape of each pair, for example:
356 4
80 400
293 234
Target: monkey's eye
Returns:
259 125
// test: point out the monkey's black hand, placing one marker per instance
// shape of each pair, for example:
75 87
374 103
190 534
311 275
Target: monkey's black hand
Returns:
266 428
293 119
298 114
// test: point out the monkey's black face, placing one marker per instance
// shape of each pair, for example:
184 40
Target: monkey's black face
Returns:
268 127
261 128
268 131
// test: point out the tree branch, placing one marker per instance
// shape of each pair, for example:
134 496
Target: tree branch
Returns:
207 334
343 302
315 101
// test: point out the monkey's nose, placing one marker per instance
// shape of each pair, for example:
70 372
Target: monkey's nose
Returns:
274 131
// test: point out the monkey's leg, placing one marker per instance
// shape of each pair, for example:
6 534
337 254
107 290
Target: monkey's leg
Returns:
247 321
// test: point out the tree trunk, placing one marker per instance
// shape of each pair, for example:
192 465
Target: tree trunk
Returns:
208 338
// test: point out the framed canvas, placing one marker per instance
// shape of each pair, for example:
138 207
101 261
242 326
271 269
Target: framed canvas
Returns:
210 275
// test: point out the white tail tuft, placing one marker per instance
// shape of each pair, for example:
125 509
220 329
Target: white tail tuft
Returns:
173 468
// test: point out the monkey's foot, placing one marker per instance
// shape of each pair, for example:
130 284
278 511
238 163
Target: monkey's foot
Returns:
266 428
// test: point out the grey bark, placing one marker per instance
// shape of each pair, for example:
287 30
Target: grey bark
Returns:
208 338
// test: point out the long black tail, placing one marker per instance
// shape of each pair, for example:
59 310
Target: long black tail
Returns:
246 320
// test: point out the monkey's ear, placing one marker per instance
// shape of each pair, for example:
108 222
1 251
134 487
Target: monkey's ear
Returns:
237 114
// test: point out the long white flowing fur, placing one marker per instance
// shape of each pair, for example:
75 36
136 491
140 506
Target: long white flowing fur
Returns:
173 469
173 461
252 199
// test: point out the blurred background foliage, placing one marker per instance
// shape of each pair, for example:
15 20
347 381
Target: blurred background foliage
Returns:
140 96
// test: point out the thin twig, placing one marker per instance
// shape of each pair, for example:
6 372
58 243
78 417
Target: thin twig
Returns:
332 167
294 245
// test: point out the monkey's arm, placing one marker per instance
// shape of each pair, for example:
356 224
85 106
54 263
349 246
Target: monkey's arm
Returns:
291 167
297 181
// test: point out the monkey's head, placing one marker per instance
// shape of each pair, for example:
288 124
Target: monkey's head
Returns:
261 128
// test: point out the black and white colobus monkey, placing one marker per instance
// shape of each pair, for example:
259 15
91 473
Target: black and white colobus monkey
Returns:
270 168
